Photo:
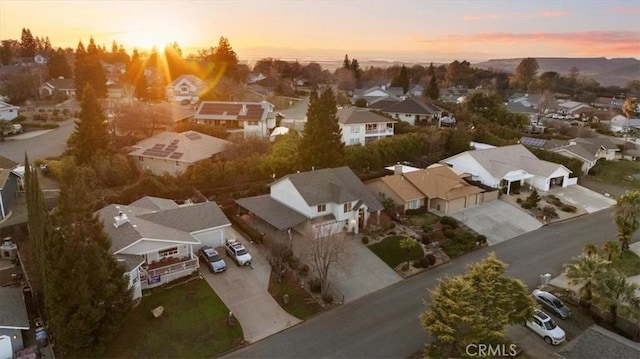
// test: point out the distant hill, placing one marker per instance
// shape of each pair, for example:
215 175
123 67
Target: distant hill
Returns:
608 72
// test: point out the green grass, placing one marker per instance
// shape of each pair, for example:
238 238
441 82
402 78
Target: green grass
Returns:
194 325
424 219
301 305
390 252
628 263
617 173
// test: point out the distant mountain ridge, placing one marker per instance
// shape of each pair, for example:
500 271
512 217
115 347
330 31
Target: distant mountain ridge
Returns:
608 72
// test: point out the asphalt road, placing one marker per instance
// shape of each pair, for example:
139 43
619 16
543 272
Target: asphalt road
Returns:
385 324
50 144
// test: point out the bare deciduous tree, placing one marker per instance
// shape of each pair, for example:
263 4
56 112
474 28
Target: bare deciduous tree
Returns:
324 253
279 257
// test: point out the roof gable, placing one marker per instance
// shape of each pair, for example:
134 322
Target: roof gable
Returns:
189 146
440 181
225 110
501 160
413 106
352 115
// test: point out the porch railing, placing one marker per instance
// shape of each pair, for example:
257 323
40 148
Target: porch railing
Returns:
380 131
171 268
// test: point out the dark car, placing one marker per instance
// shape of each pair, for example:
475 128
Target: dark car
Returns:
552 303
212 259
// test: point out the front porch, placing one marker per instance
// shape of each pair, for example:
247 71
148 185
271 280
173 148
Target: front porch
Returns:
167 270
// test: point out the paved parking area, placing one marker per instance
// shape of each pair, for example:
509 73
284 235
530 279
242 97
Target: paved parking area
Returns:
245 291
583 197
497 220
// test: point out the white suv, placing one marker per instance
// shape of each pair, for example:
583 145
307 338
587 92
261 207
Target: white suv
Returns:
544 326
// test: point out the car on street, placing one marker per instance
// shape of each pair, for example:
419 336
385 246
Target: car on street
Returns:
552 303
212 259
544 326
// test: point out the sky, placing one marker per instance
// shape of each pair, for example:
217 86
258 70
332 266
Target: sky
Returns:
404 30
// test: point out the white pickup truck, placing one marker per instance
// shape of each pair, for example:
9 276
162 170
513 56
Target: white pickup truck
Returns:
237 251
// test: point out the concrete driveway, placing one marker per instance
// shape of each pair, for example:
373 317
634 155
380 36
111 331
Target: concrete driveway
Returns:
245 291
583 197
497 220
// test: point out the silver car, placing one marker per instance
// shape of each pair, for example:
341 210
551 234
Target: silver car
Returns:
552 303
212 259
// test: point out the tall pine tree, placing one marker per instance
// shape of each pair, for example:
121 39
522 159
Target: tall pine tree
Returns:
89 70
90 137
321 145
402 80
432 91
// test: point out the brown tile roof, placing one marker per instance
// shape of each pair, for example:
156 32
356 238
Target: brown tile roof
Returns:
441 182
402 187
7 163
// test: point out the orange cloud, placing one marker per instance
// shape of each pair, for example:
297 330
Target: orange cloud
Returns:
601 43
494 16
626 10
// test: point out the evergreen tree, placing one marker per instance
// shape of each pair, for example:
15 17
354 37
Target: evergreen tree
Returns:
89 70
6 52
58 65
80 73
321 145
27 44
525 73
175 64
357 72
89 294
38 222
225 58
432 91
402 80
346 64
90 137
459 140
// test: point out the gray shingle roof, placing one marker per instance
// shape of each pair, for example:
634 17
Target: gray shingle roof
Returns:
155 221
13 311
189 146
413 106
130 261
599 343
501 160
337 185
352 115
272 211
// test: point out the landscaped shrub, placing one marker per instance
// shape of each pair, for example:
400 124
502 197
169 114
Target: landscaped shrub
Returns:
314 285
405 267
482 239
294 263
327 298
550 211
533 198
459 245
449 233
416 264
303 270
446 220
424 262
569 208
392 225
431 258
526 205
518 200
365 240
425 238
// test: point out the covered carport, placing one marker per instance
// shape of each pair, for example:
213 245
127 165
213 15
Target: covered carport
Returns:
270 216
519 176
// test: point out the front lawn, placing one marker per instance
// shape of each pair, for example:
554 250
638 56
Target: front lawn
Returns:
422 219
390 252
194 325
620 173
301 305
628 263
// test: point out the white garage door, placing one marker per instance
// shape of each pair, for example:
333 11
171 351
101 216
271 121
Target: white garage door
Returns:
212 238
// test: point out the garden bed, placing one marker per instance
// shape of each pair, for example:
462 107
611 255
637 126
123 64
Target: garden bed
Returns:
301 304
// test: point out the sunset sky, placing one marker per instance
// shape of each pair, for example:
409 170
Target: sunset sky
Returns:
400 30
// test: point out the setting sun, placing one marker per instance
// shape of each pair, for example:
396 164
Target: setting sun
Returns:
147 38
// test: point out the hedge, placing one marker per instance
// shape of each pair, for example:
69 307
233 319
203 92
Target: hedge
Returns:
245 228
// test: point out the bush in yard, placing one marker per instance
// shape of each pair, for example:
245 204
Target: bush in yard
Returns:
405 267
425 238
482 239
303 270
431 258
424 262
327 298
449 233
569 208
533 198
550 211
416 264
518 200
365 240
315 286
526 205
447 220
294 263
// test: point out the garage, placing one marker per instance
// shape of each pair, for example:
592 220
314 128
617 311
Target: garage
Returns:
212 237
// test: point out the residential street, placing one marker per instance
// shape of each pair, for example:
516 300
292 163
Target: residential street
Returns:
47 144
385 324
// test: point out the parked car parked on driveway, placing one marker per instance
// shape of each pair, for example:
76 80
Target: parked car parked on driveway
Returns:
544 326
552 303
212 259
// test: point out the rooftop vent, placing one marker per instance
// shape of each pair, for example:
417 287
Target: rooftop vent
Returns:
120 219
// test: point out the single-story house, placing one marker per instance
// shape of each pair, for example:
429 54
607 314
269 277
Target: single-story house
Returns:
8 112
414 112
60 85
620 124
185 87
13 320
598 342
376 93
500 167
587 150
316 203
454 94
361 126
437 187
9 186
251 118
156 239
173 152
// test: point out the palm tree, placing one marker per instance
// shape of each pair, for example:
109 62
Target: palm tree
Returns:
629 108
627 217
612 249
612 290
585 270
590 249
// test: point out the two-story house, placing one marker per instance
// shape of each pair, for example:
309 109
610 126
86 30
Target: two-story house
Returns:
66 87
315 203
414 112
8 112
250 118
360 126
156 239
185 88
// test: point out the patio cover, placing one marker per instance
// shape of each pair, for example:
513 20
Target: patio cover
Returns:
517 176
272 211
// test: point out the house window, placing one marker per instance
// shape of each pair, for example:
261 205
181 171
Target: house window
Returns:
355 129
322 208
252 123
167 252
354 141
184 89
140 158
348 207
381 195
371 127
415 204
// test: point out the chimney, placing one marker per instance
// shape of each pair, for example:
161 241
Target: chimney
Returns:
397 169
243 112
120 219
